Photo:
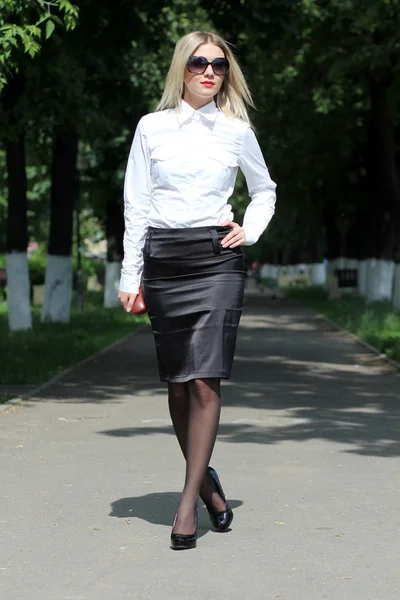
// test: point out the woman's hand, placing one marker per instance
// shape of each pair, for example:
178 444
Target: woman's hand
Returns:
235 238
126 300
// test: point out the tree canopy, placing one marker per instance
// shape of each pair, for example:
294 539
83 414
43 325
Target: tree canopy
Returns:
324 75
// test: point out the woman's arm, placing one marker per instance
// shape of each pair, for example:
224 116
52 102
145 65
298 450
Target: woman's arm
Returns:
137 190
261 189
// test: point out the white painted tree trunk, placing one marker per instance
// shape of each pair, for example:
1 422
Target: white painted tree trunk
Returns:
380 275
318 274
113 272
58 289
362 278
265 271
396 287
18 291
274 272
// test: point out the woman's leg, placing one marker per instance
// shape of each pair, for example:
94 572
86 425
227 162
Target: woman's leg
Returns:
179 406
202 427
178 403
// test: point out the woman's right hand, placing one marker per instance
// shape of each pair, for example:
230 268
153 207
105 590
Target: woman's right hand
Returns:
126 300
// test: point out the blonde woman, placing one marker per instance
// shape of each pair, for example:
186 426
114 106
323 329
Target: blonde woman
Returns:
181 242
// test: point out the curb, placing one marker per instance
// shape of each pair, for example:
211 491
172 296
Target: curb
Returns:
18 399
360 341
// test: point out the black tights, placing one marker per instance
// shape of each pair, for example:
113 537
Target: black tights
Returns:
195 408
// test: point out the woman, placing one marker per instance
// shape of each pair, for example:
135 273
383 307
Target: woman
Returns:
181 241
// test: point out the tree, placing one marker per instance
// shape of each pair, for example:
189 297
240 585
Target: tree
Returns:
325 77
58 285
17 230
23 23
20 35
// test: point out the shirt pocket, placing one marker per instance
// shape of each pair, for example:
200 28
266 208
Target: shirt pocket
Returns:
171 168
219 166
178 169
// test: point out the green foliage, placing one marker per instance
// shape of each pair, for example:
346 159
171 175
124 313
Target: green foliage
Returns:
377 323
37 267
3 201
33 357
38 261
309 65
24 24
153 51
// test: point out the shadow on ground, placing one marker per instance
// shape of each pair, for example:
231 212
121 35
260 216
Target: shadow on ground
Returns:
157 508
320 384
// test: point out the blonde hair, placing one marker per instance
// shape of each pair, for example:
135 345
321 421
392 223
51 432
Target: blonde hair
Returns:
234 93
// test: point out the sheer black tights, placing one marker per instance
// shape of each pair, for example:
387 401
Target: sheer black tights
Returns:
195 408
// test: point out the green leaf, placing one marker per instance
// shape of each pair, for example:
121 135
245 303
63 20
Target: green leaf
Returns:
49 29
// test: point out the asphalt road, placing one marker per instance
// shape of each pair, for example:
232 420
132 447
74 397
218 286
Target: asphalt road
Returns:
308 453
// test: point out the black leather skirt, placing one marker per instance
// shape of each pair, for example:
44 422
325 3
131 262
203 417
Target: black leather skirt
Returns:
194 294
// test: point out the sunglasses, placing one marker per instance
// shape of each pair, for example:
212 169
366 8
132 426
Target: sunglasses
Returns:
198 65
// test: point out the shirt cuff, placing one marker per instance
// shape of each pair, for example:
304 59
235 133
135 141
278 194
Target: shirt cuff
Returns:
251 235
128 284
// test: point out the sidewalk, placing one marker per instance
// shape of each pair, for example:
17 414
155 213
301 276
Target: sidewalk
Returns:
308 453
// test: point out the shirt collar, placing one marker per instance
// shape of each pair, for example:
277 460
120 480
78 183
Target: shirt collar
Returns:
185 112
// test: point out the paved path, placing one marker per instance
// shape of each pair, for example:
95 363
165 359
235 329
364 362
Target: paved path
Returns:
308 452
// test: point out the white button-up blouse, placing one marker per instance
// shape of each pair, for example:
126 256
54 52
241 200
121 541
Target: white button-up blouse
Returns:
181 172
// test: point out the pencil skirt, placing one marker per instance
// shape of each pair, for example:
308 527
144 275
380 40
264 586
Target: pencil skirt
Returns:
193 288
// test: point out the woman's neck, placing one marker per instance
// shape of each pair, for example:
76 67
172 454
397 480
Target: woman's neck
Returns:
197 103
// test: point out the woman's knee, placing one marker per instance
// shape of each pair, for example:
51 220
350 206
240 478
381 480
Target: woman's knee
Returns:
205 390
179 392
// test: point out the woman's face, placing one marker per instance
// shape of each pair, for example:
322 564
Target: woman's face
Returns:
201 89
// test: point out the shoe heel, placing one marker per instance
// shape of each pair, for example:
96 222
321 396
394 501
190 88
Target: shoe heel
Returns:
222 520
180 541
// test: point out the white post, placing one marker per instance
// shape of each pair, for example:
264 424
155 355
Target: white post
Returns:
113 271
396 287
362 278
318 274
18 291
58 289
379 280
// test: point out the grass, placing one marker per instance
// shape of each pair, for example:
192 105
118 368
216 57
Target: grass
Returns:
377 323
32 357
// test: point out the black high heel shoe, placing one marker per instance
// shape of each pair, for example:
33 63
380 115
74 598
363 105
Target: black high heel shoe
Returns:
222 520
181 541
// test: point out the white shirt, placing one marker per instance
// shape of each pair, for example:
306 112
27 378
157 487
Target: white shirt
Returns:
181 172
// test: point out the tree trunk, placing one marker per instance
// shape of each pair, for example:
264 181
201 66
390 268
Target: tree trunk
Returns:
18 287
383 179
58 285
115 251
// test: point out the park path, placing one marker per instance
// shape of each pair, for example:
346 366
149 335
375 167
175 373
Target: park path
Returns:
308 452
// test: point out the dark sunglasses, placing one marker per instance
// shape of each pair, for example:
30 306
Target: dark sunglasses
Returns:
199 65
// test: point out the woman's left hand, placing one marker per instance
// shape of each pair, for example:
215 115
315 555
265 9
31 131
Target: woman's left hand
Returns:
235 238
